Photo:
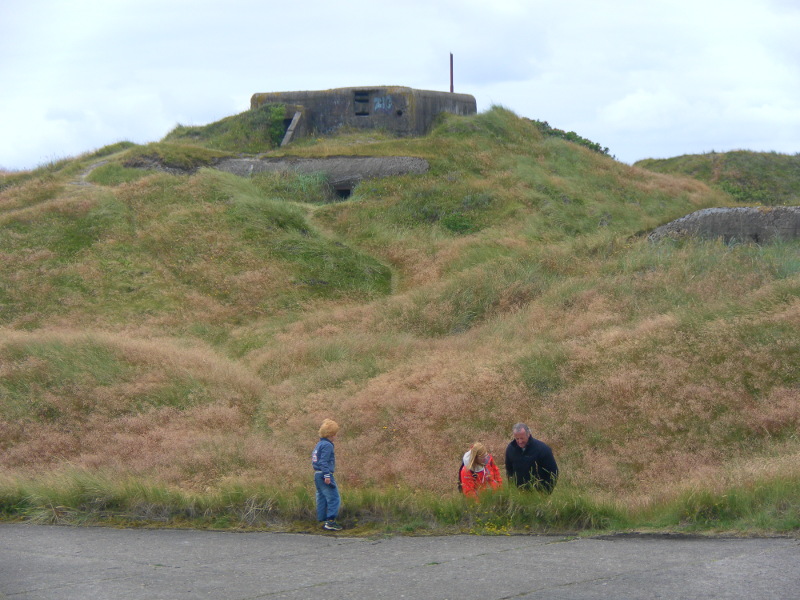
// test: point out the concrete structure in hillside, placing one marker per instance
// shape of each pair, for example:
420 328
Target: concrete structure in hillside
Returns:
400 110
761 225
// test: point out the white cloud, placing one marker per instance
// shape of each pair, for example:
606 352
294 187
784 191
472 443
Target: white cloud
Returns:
661 77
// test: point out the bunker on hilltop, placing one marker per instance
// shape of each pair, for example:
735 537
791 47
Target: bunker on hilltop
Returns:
400 110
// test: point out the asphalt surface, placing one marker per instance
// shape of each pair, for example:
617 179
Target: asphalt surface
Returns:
65 563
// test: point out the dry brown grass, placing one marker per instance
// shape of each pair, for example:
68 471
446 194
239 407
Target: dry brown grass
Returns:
637 415
645 368
106 425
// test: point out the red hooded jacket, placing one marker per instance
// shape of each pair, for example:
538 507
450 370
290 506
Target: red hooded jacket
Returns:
472 483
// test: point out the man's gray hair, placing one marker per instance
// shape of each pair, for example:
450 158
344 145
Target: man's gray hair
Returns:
520 427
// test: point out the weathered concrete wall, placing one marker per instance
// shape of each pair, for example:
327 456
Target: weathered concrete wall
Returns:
301 127
743 224
401 110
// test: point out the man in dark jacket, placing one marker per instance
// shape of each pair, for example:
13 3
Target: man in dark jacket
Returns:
530 462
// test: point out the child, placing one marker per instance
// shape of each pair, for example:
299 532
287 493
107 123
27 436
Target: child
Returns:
479 471
324 463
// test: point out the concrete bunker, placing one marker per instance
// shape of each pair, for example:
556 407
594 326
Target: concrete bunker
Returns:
400 110
760 225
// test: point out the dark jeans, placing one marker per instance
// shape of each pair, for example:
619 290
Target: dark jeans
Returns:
328 499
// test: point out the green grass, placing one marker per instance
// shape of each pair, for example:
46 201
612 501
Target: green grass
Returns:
95 498
115 174
760 507
766 178
180 157
253 131
119 249
53 380
310 188
171 340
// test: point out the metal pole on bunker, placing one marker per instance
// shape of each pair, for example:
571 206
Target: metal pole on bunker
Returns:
451 72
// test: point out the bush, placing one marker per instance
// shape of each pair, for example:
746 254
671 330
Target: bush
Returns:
570 136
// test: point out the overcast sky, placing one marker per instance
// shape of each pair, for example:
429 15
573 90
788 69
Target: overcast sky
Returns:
646 78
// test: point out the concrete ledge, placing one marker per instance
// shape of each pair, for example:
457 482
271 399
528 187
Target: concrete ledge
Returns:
340 170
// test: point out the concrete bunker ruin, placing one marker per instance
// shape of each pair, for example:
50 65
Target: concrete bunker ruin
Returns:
401 110
760 225
343 173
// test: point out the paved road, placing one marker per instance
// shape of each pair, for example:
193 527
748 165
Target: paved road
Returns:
85 563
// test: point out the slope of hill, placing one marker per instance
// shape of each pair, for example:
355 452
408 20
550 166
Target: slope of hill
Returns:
766 178
191 329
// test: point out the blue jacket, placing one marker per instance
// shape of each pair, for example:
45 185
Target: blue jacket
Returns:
322 458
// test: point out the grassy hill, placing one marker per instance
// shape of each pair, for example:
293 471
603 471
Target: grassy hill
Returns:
766 178
171 340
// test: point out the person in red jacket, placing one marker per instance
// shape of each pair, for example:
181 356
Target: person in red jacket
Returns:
479 471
